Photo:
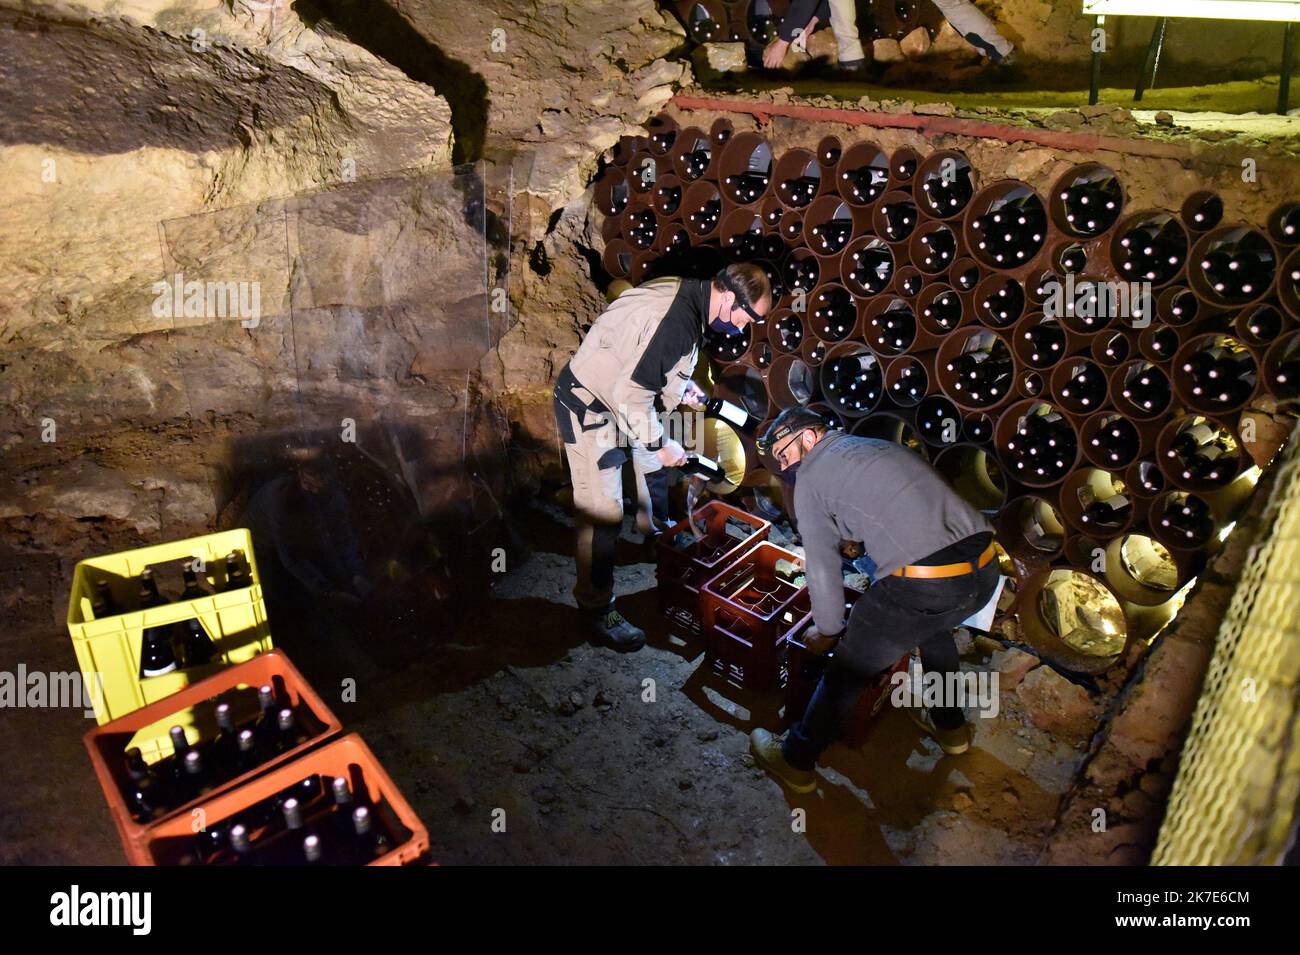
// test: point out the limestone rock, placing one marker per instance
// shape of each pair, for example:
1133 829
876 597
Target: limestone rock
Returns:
886 51
1012 664
1058 706
1064 119
936 109
726 57
915 44
948 40
821 45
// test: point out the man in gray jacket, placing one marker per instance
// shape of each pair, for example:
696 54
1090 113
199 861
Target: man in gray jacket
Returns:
642 349
934 568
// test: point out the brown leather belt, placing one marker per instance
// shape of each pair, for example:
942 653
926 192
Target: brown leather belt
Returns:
945 570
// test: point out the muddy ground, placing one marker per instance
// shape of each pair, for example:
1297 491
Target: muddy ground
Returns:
513 709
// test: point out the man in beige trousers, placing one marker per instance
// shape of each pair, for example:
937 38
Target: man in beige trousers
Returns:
642 348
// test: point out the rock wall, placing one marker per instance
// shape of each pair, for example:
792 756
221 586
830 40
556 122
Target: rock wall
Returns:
306 151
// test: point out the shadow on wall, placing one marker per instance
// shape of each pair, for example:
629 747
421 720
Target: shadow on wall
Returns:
389 535
382 30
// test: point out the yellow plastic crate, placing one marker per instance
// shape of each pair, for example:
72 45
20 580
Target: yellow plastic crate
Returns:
111 646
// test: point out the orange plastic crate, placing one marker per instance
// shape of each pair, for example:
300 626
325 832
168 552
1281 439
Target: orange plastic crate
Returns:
747 611
237 685
168 842
680 572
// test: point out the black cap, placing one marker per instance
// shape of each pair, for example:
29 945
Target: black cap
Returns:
788 422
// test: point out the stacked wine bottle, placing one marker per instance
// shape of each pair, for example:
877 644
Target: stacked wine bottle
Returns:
193 770
182 645
1078 369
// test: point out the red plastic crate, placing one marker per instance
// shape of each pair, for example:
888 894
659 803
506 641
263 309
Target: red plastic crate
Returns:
172 842
237 685
681 572
800 684
747 609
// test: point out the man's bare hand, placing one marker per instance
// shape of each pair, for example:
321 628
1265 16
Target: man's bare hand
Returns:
693 396
774 54
816 642
671 454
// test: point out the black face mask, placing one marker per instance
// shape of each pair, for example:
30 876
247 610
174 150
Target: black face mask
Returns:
787 474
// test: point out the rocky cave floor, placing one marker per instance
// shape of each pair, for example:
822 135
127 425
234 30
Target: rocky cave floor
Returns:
514 709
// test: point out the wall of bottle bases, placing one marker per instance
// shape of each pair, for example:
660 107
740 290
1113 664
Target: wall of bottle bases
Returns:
1076 367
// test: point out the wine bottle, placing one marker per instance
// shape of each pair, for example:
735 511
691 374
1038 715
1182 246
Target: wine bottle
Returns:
343 806
1150 478
371 842
312 851
156 654
1207 213
194 781
900 220
224 751
1092 204
1188 521
236 573
1085 388
193 589
149 595
789 331
940 248
1046 343
145 796
291 809
102 603
944 310
1012 233
266 727
289 734
948 195
831 236
1107 513
872 269
670 197
247 758
1006 303
1154 250
1147 389
240 847
196 645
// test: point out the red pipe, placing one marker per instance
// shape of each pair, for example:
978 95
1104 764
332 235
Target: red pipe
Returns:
937 125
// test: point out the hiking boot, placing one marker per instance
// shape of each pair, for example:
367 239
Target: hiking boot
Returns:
614 630
852 69
766 748
953 741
